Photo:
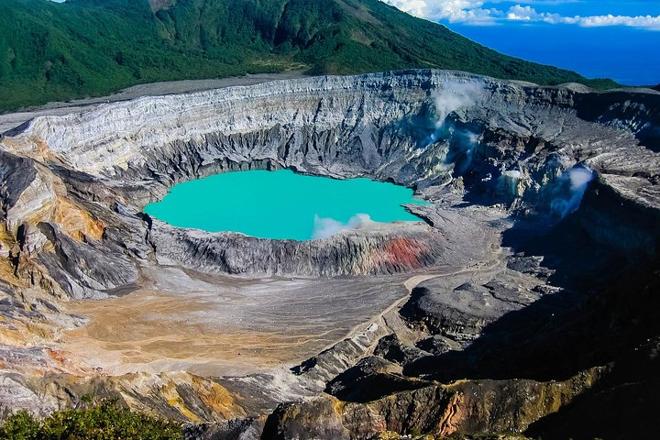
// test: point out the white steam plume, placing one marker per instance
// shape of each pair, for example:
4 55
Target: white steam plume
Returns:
455 96
327 227
578 179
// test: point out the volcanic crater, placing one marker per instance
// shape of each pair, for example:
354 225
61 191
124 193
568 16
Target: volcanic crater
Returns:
523 293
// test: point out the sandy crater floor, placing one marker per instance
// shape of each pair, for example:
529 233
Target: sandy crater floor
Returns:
218 325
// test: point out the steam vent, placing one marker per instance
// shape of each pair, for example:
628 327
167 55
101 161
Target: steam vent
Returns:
521 297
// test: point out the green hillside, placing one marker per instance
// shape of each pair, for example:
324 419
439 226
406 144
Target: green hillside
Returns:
56 51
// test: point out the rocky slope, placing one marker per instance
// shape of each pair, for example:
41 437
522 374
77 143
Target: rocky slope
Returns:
531 275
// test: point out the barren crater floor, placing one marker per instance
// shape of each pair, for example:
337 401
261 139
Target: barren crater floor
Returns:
218 325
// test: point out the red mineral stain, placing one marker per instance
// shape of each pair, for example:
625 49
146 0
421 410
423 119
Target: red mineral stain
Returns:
56 356
404 252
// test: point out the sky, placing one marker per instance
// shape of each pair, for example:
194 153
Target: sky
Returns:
613 39
642 14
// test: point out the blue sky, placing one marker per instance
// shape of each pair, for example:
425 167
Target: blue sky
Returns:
642 14
613 39
592 7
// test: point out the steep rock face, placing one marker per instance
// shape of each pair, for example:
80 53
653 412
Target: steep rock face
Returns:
367 253
179 396
367 124
463 408
17 175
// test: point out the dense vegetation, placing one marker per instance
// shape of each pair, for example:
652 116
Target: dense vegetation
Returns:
104 420
53 51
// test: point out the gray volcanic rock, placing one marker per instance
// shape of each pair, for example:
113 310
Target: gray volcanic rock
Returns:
437 344
462 312
236 429
89 268
391 348
371 378
16 174
374 250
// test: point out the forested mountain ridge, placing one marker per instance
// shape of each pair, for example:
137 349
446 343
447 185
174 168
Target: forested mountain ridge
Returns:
55 51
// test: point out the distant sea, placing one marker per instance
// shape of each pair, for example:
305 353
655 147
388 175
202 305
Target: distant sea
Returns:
629 56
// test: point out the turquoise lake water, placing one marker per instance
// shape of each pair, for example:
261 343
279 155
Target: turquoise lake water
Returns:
281 204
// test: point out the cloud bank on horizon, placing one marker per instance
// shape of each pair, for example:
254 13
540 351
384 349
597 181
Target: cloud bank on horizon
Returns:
480 12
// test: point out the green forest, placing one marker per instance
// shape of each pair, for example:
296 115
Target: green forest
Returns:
59 51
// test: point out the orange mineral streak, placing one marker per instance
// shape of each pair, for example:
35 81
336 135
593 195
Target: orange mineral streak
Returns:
75 221
218 398
72 219
33 147
452 416
8 276
174 390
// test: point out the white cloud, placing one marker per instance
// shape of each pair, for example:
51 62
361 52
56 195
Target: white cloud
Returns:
451 10
642 21
527 13
474 12
537 2
522 13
